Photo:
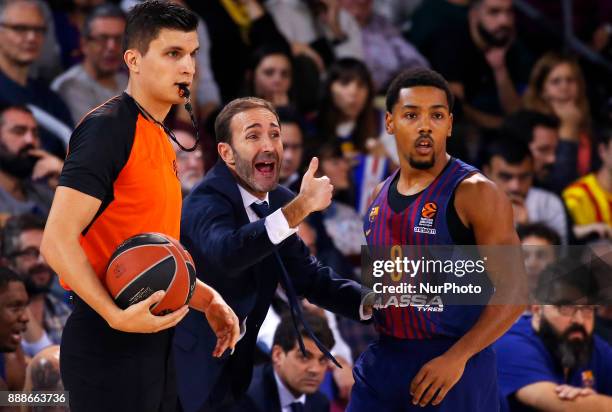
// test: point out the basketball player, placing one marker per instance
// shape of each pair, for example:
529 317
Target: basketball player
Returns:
119 180
432 361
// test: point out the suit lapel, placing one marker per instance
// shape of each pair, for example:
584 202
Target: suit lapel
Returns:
221 179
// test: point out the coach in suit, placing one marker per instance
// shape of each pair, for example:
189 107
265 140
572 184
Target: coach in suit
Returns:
244 256
291 383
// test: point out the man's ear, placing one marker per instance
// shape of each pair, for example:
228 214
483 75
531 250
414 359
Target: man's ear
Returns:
536 311
226 153
389 123
450 130
487 170
132 59
277 353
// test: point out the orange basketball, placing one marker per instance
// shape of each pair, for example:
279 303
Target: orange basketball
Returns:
149 262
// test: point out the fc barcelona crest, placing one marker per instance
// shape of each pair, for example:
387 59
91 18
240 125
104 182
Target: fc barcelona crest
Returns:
373 213
588 380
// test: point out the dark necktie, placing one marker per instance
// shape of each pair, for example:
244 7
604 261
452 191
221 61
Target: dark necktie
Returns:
262 210
297 407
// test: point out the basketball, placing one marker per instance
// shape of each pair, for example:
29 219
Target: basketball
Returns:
149 262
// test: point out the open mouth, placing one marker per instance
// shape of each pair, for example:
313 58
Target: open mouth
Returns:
16 334
266 168
424 146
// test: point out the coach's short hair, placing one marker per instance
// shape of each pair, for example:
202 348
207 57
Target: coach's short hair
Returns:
286 338
223 131
416 77
147 19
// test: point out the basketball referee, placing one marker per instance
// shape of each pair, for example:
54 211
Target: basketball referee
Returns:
119 180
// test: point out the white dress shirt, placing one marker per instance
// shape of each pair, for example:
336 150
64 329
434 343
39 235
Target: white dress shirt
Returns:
276 223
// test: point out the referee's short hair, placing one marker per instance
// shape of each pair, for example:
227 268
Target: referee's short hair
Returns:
145 20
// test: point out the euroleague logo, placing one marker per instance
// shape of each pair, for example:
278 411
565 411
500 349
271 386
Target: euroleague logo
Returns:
429 210
426 222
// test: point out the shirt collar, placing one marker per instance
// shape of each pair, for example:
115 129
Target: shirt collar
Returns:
285 396
248 199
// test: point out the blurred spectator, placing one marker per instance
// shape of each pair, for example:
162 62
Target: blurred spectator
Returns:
587 19
270 75
48 65
208 97
539 251
236 29
557 87
13 321
22 32
562 365
552 159
341 221
189 165
293 150
321 29
509 164
21 240
398 12
484 63
601 253
433 17
385 51
86 86
292 377
308 236
28 174
347 116
43 374
69 21
589 200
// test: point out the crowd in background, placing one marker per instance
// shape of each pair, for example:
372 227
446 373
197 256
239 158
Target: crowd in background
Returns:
533 111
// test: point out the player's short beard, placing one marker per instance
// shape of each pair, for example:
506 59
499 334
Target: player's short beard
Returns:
568 353
422 164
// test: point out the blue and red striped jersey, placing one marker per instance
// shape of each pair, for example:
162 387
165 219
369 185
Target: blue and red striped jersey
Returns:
423 223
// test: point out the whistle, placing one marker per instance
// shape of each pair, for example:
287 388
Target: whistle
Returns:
184 91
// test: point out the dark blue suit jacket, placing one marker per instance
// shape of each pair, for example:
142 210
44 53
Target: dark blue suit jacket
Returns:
236 258
262 395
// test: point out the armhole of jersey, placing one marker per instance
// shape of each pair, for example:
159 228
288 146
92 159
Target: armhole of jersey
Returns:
454 222
130 134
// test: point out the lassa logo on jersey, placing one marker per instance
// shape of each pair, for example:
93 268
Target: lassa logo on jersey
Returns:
426 222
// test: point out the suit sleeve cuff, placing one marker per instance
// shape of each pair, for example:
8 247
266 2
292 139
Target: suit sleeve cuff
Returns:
277 227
